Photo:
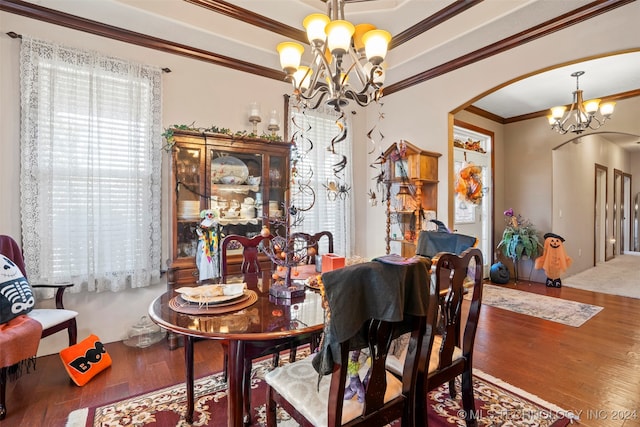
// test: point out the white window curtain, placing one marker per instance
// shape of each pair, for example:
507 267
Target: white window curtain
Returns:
90 168
331 211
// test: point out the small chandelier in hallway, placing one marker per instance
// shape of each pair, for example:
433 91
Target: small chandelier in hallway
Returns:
581 115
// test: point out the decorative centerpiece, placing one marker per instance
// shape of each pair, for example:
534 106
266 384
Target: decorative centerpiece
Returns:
283 253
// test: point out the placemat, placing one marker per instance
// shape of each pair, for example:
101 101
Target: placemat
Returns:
181 306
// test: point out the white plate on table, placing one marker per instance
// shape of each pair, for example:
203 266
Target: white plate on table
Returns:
201 299
212 294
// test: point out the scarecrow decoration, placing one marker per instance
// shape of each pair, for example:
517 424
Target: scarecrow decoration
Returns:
207 259
554 260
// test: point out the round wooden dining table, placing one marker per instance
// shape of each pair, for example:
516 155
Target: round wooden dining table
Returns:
255 327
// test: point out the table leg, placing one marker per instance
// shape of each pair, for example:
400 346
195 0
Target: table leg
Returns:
234 381
188 364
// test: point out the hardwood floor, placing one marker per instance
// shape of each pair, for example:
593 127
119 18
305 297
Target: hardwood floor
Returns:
593 370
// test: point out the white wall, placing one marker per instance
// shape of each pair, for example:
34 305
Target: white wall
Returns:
420 114
556 180
194 92
210 95
573 194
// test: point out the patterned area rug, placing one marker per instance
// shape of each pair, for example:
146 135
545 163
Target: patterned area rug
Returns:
497 403
570 313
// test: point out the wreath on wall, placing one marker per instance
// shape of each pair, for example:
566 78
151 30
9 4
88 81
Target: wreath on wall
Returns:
469 183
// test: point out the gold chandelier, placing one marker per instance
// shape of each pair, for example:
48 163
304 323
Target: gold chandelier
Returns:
581 115
342 53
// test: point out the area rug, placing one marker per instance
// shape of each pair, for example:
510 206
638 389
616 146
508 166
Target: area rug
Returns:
618 276
558 310
497 403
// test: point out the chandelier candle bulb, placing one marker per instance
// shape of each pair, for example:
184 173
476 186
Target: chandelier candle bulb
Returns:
606 109
591 106
302 78
315 25
376 42
339 36
290 55
558 112
361 30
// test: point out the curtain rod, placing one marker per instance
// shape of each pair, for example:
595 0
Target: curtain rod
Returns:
15 35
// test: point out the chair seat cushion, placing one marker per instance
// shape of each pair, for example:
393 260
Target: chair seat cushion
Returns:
298 383
16 296
395 363
49 317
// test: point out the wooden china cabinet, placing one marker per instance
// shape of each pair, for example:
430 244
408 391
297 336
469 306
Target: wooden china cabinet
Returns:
244 180
411 177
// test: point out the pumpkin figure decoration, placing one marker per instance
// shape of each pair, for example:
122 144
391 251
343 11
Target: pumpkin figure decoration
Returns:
554 260
499 273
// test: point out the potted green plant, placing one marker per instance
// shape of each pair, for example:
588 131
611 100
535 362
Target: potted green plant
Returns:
519 240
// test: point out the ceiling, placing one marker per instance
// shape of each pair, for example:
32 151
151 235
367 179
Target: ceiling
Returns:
431 37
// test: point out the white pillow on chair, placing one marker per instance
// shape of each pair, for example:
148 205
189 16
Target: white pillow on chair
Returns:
49 317
298 383
395 364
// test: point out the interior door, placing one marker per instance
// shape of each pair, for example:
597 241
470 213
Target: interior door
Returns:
627 230
473 216
618 233
600 218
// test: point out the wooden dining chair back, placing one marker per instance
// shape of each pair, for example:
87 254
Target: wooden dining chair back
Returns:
312 243
452 352
296 387
430 243
53 320
250 251
250 264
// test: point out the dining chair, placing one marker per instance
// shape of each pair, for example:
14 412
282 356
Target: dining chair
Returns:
53 320
430 243
312 241
452 352
314 400
250 264
295 387
250 251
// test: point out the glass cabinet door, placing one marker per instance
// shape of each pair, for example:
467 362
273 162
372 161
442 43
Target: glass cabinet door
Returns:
189 187
237 191
276 206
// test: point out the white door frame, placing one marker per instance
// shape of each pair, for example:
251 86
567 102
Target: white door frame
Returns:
600 214
485 210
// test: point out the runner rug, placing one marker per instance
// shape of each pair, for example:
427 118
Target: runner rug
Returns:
619 276
497 403
558 310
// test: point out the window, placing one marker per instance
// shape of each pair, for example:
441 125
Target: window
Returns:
313 131
90 168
